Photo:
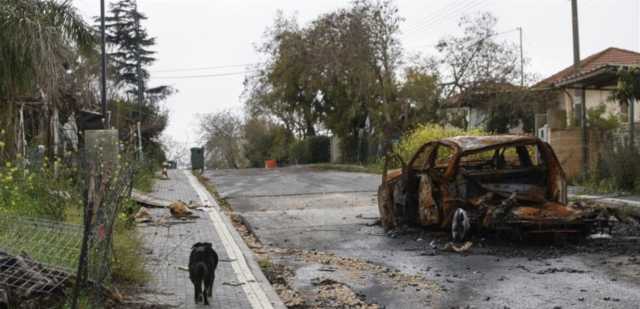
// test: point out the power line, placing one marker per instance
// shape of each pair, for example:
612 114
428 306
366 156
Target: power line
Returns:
476 42
206 75
205 68
442 11
453 11
470 5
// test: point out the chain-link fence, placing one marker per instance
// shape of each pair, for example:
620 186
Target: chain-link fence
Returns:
40 255
37 257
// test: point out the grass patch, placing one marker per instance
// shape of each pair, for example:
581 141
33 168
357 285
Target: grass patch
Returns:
128 260
352 168
265 264
144 180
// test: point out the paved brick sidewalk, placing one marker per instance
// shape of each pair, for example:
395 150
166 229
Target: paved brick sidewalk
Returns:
168 246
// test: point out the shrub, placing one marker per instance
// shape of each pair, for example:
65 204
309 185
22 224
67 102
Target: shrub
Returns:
619 166
597 120
265 140
410 142
299 152
38 191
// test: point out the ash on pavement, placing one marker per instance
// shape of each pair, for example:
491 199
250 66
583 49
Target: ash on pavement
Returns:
312 221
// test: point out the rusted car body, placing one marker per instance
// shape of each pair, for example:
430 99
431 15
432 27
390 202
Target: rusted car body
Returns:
505 182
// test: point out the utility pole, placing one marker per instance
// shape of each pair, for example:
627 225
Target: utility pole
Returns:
580 93
103 77
521 59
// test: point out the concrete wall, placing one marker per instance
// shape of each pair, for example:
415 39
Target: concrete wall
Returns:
336 154
567 145
593 98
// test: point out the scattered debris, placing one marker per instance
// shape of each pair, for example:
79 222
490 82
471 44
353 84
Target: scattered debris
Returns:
455 248
24 280
233 283
331 293
148 200
600 236
143 215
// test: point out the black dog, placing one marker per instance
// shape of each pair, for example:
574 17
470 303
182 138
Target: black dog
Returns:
202 270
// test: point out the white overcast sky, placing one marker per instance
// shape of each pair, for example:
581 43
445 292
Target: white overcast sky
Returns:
213 33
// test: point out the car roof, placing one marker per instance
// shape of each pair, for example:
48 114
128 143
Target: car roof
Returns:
472 143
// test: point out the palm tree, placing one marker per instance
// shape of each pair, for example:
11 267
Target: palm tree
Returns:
40 38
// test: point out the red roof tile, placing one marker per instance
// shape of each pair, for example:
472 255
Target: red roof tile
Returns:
609 56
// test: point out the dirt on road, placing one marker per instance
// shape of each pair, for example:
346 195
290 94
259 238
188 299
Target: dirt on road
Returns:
316 235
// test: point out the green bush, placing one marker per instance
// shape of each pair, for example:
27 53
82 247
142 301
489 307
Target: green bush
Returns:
299 152
43 191
423 134
597 120
619 168
265 140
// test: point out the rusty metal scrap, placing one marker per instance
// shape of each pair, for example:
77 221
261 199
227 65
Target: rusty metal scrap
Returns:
501 181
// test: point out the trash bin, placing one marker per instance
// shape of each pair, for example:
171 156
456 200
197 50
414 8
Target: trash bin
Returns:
197 158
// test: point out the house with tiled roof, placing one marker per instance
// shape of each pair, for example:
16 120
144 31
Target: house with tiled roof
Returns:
597 75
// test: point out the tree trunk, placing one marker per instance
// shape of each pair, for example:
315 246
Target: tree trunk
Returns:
632 127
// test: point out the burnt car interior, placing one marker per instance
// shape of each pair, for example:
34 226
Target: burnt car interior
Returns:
504 171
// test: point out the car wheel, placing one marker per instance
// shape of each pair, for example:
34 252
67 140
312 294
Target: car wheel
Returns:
460 225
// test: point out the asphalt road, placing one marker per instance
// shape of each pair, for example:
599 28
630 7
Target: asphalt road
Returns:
300 208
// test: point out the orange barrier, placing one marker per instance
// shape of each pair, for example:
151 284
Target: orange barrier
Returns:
270 164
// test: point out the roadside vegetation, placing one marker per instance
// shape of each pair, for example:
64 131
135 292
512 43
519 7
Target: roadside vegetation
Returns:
616 170
49 72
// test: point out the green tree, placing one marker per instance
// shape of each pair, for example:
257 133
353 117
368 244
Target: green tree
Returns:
419 94
129 57
284 87
264 140
131 52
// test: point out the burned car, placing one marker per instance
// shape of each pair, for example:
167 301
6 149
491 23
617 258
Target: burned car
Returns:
504 182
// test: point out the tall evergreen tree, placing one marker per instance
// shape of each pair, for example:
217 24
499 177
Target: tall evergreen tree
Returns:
131 51
130 54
